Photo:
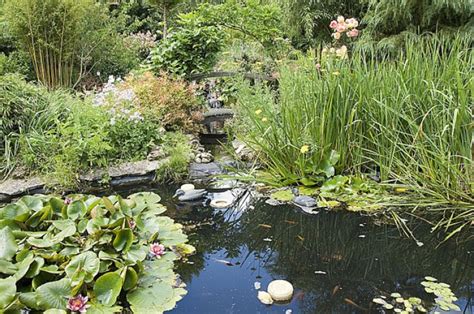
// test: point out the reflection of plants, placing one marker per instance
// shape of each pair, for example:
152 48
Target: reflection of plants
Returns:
107 249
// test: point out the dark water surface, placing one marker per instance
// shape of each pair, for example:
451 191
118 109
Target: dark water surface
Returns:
338 262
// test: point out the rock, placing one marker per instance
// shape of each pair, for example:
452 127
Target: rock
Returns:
265 297
280 290
220 185
305 201
156 153
204 158
273 202
16 187
199 171
128 169
242 151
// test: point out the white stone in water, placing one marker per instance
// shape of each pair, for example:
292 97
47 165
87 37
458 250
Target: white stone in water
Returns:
265 297
280 290
187 187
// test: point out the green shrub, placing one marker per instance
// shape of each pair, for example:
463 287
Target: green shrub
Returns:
176 146
191 48
57 251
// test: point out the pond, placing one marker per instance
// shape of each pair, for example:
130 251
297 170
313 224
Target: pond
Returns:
337 261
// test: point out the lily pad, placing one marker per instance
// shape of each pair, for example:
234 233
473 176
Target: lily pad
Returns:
8 246
107 288
54 294
283 195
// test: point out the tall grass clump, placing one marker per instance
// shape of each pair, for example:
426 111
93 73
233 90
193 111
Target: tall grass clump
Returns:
409 118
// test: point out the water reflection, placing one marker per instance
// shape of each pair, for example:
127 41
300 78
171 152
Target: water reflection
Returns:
337 261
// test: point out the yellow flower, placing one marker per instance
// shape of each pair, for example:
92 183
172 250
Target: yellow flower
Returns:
257 112
304 149
336 73
264 119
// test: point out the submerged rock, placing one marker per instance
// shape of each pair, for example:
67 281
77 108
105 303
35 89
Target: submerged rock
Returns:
280 290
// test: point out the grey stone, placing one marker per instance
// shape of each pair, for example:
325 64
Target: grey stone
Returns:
305 201
128 169
15 187
203 171
133 180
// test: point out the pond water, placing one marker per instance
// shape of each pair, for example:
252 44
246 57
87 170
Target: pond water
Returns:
338 262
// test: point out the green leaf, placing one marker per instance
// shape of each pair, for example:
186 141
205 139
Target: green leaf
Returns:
84 266
76 210
32 202
8 246
334 184
308 182
131 279
54 295
97 308
107 288
56 205
54 311
159 298
284 195
123 240
7 291
15 212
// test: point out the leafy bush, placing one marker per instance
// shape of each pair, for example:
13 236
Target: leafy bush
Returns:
91 253
176 146
167 101
191 48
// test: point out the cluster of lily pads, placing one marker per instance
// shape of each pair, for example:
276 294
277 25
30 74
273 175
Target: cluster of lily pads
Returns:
445 299
86 253
351 192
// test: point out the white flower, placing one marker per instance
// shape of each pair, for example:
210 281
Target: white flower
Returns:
112 121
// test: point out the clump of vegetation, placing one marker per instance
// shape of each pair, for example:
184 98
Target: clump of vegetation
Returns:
90 253
169 101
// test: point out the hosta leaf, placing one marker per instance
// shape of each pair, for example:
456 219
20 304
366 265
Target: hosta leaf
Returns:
8 246
123 240
84 266
54 295
107 288
7 291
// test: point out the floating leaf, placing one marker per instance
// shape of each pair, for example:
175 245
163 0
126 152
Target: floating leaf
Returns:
84 266
55 311
97 308
8 246
76 210
431 278
107 288
283 196
156 299
379 301
7 291
123 240
54 294
131 279
388 306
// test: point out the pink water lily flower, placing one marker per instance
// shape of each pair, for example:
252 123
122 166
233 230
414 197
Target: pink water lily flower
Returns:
157 250
78 304
333 24
67 200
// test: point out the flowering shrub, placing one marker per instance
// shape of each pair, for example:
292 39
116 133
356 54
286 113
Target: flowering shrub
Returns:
141 42
80 254
170 102
341 26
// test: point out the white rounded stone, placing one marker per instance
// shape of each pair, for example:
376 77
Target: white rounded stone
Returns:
187 187
280 290
265 297
220 203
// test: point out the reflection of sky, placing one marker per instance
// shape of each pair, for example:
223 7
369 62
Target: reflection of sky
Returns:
220 288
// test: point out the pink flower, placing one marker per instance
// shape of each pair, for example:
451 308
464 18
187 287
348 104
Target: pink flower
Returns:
333 24
157 250
318 66
132 224
67 200
341 27
78 304
352 23
353 33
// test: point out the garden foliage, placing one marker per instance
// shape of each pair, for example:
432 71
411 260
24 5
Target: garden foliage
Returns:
90 253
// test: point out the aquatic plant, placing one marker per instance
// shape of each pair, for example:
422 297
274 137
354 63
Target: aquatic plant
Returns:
89 253
444 299
410 119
